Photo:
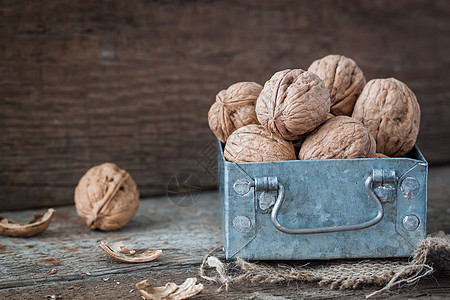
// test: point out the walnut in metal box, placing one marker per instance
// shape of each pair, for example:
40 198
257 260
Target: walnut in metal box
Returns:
323 209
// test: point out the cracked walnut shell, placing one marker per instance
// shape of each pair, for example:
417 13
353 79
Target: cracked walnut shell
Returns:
233 109
389 109
339 137
106 197
293 102
344 80
39 224
170 291
254 143
119 252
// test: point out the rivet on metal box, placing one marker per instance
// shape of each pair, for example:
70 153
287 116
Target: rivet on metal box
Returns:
323 209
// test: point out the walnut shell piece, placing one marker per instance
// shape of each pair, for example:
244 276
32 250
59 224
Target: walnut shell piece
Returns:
344 80
170 291
233 109
39 224
293 102
339 137
389 109
106 197
254 143
119 252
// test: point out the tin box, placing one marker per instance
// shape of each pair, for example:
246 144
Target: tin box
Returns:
323 209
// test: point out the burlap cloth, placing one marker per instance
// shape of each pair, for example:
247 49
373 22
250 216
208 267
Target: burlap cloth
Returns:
431 255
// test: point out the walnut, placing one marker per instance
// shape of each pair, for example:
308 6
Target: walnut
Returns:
293 102
106 197
391 112
233 109
39 224
339 137
381 155
254 143
119 252
344 80
170 291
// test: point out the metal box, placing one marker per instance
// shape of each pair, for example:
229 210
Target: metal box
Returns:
323 209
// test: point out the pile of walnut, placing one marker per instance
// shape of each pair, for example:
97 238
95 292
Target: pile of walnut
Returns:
326 112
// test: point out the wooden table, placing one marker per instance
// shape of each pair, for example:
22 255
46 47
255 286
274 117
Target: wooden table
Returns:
66 262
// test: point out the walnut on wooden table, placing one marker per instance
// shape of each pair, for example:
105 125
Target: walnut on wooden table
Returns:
106 197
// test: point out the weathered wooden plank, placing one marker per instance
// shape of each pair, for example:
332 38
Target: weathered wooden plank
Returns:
185 234
131 82
123 287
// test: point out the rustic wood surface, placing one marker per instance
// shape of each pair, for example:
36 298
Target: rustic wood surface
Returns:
131 82
185 234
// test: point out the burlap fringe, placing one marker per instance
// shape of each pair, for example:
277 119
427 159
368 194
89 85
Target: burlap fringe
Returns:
213 262
433 251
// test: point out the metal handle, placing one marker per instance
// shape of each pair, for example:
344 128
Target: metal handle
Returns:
373 197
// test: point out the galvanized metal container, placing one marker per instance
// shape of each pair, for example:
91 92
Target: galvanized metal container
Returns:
323 209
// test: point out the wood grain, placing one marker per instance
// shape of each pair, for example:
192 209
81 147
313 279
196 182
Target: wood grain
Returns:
82 83
184 234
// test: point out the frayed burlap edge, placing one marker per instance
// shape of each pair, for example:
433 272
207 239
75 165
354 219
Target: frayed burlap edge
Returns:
213 262
340 274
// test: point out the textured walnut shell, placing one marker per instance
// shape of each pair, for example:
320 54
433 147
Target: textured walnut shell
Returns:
170 291
339 137
344 80
39 224
293 102
119 252
254 143
106 197
233 109
389 109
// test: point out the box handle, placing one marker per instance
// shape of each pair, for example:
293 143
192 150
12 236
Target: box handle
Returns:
372 195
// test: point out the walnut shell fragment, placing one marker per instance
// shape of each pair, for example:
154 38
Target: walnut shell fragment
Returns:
381 155
170 291
344 80
254 143
293 102
121 253
389 109
339 137
106 197
233 109
39 224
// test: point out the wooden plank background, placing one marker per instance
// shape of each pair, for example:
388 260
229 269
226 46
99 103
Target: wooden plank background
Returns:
84 82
